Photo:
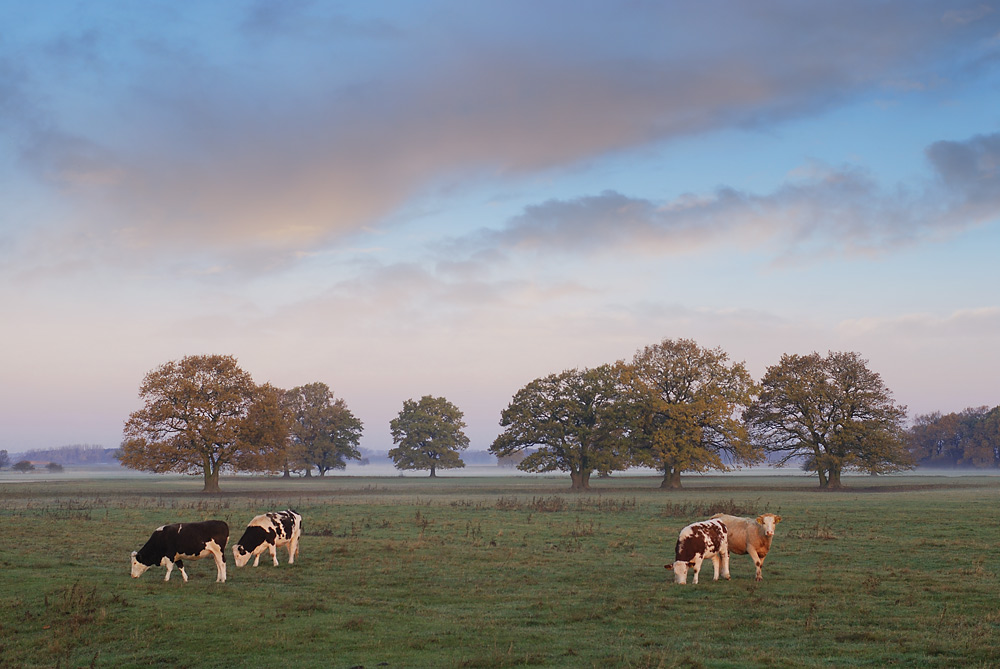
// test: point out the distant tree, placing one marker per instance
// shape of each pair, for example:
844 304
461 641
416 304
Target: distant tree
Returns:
949 440
201 414
512 460
686 403
832 412
75 454
572 422
4 459
984 450
430 434
54 467
323 431
23 466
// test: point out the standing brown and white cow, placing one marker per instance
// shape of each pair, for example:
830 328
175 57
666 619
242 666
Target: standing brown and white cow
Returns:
697 541
751 536
266 532
190 541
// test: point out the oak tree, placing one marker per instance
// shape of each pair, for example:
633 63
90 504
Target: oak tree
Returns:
686 404
571 422
203 414
323 432
832 413
429 434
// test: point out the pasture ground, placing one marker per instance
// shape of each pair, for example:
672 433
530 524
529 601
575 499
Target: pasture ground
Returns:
497 572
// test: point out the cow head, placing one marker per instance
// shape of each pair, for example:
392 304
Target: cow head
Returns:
241 555
137 567
768 520
680 569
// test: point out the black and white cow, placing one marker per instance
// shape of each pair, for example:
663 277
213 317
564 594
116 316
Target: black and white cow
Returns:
697 541
266 532
189 541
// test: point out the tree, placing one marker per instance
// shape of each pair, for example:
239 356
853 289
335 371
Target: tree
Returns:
984 450
23 466
323 431
54 467
686 403
945 441
429 434
203 413
4 459
571 422
833 412
968 438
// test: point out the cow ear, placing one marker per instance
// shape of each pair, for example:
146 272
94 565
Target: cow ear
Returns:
760 519
777 519
669 566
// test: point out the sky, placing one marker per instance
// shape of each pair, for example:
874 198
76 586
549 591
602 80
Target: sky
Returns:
455 198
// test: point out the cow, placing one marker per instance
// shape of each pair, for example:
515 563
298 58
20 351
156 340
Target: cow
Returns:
750 536
266 532
169 544
697 541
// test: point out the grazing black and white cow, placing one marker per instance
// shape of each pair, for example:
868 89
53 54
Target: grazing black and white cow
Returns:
189 541
697 541
266 532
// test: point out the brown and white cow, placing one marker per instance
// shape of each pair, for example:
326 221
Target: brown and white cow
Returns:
170 544
266 532
697 541
751 536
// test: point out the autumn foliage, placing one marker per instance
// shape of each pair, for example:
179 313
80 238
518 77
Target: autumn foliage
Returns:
202 414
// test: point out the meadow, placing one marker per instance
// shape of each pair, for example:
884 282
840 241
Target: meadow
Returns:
505 571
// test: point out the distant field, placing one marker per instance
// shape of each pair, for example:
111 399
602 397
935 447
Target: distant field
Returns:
505 571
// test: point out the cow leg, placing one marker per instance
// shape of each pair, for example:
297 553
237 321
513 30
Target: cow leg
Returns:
293 548
180 565
716 563
256 559
725 565
170 567
274 553
697 567
758 561
220 563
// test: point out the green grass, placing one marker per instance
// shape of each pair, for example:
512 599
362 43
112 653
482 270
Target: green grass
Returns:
496 572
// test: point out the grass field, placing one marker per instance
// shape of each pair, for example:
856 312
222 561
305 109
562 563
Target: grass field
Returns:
496 572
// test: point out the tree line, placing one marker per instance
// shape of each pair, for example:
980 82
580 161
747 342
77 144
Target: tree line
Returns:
203 414
678 407
675 406
970 438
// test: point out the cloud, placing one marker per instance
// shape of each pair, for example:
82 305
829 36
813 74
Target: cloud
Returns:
970 171
819 212
302 125
963 324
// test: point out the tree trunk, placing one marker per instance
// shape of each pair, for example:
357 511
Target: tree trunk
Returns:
211 480
671 479
834 483
823 482
580 480
433 473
